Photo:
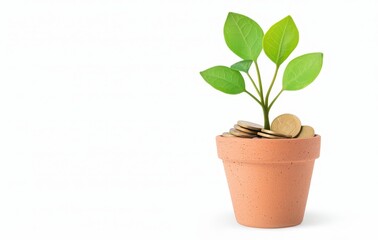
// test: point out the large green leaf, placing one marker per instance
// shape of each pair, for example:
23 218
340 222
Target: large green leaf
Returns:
280 40
243 36
242 66
302 71
224 79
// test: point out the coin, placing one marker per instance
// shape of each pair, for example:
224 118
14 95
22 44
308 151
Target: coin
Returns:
245 130
238 133
306 132
287 124
265 135
275 133
250 125
227 134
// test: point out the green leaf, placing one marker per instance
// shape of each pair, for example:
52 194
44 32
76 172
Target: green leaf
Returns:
224 79
280 40
242 66
302 71
243 36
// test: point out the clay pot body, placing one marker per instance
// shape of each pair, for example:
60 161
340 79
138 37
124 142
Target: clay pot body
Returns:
269 179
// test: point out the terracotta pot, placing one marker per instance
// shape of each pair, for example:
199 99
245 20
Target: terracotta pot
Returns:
269 179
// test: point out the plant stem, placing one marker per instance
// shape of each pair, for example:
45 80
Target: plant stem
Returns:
250 94
266 118
264 104
254 84
260 84
271 104
271 85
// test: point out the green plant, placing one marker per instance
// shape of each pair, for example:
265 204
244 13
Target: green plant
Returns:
246 39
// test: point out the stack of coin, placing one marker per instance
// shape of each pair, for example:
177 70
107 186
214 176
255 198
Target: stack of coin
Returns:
265 133
287 126
244 129
284 126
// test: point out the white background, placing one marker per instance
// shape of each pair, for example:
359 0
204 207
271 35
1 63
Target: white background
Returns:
107 130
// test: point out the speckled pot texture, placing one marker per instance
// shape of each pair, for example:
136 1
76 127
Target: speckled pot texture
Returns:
269 179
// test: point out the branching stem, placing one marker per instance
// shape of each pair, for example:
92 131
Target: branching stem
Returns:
254 84
271 85
255 98
264 103
260 83
274 100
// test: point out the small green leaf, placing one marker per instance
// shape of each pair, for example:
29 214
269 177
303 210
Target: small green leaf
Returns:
302 71
280 40
243 36
224 79
242 66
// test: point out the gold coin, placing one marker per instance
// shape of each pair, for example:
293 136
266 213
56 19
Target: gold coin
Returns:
275 133
250 125
265 135
287 124
245 130
227 134
306 132
237 133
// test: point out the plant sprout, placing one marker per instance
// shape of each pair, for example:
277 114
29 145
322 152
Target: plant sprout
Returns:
246 39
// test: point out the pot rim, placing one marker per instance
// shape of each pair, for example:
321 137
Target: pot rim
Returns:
267 139
251 150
